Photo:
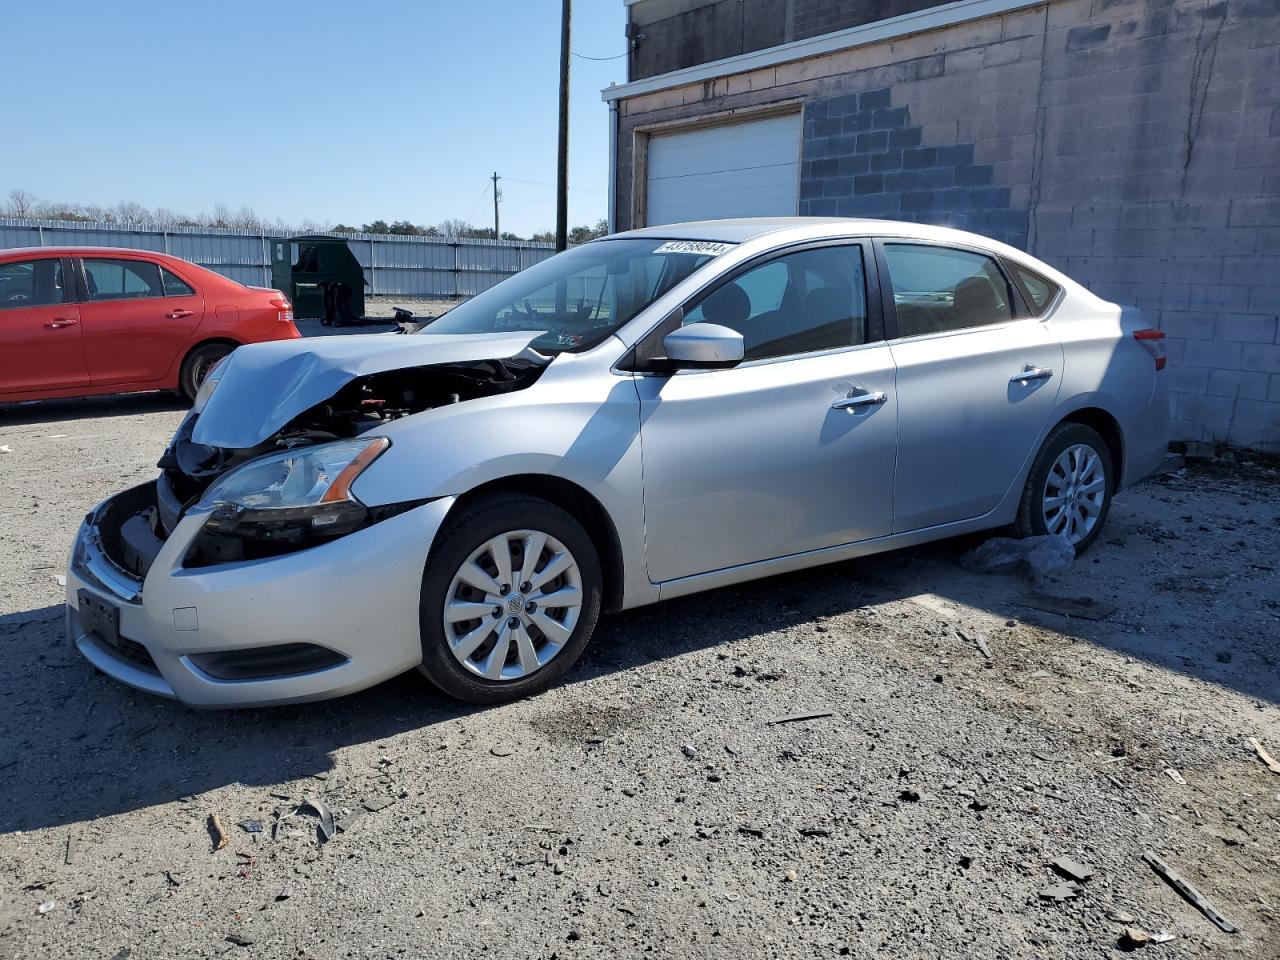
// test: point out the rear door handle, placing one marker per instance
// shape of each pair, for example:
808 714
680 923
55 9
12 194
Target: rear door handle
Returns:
864 399
58 323
177 314
1030 373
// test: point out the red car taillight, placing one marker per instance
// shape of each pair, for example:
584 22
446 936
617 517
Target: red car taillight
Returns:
284 309
1153 342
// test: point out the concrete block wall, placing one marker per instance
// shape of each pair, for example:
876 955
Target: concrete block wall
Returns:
1134 144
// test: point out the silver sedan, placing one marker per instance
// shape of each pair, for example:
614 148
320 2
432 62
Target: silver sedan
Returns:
648 415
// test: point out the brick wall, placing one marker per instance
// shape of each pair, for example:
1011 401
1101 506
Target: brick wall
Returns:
1134 144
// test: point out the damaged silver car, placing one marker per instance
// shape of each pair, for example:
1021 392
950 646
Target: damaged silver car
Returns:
645 416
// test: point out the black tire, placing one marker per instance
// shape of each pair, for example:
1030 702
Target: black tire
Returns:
463 535
1030 521
197 366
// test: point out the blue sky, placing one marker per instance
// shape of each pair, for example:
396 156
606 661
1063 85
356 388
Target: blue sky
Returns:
324 110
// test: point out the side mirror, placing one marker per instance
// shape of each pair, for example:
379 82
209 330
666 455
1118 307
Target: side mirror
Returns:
704 346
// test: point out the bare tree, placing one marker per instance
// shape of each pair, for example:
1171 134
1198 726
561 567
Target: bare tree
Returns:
21 203
453 229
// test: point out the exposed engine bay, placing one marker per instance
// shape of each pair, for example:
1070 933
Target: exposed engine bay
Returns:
361 405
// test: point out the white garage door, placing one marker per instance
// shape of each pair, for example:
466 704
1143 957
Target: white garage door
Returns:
749 169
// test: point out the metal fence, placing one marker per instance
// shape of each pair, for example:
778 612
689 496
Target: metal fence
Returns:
393 265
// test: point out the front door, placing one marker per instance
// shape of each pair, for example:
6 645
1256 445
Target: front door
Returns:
976 383
40 338
789 452
134 329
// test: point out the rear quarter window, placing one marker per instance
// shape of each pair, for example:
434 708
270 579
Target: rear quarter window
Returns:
1038 291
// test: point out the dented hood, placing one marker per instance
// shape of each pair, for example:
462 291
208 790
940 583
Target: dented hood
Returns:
265 385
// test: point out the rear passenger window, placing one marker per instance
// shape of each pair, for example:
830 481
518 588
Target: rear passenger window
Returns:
1039 291
936 289
799 303
30 283
122 279
175 286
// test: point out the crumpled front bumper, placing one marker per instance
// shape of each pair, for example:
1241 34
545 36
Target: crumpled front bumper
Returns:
356 596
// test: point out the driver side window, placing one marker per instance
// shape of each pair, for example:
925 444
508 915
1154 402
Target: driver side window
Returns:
800 303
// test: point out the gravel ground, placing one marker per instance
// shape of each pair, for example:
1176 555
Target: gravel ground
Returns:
651 804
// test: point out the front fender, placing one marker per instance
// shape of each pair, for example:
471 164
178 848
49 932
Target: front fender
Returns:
586 432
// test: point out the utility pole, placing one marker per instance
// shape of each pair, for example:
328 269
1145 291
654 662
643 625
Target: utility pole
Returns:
562 159
497 234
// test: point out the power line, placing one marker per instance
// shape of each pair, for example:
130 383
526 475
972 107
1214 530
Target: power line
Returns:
544 183
583 56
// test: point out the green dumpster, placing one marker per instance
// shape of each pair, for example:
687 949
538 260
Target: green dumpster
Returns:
322 277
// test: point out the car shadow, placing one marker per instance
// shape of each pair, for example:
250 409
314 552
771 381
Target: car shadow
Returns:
32 412
75 745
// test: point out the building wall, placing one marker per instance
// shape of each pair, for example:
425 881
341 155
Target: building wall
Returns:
1134 144
672 34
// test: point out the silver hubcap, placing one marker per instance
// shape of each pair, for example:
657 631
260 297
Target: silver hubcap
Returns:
513 604
1074 492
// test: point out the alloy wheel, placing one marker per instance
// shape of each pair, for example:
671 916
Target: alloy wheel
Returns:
513 605
1074 493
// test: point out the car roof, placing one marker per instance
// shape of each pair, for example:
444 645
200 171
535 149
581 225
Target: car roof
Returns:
8 252
798 229
749 228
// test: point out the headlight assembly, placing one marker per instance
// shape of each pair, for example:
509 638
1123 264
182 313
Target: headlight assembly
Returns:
295 496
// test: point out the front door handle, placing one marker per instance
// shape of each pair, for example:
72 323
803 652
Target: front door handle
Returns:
57 323
864 399
177 314
1030 373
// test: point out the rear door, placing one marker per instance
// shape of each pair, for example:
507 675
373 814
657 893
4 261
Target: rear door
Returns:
977 379
40 333
134 328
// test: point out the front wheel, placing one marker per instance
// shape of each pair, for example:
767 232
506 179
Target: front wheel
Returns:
510 596
1069 489
197 366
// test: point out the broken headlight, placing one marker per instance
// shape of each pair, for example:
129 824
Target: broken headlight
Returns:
296 496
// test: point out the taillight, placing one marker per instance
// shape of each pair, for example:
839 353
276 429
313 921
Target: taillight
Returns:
1152 340
284 309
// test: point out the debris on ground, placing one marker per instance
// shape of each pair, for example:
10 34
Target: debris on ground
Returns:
1059 892
324 813
1272 764
1072 869
689 750
46 906
1175 776
1086 608
972 636
1190 893
1134 937
309 805
797 717
217 835
1037 557
374 804
250 826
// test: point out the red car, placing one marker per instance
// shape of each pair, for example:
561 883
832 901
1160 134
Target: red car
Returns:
77 321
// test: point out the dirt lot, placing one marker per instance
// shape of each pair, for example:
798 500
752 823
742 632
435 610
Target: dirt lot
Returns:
650 805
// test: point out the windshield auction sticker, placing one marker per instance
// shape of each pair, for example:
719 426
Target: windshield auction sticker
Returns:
704 247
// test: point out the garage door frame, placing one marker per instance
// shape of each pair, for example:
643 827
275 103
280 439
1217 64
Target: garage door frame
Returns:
640 144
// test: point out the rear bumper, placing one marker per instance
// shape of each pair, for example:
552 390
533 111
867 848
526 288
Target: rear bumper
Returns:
356 597
1147 436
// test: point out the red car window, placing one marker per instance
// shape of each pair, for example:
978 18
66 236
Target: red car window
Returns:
30 283
122 279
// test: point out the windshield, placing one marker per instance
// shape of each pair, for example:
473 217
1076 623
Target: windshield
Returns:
581 296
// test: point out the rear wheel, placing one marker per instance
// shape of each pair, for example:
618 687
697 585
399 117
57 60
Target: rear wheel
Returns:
1069 489
510 597
197 366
